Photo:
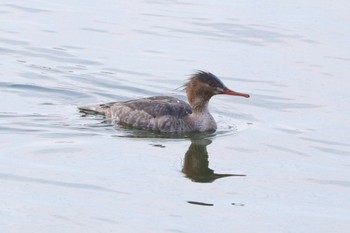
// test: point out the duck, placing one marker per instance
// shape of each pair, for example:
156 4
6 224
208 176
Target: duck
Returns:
167 114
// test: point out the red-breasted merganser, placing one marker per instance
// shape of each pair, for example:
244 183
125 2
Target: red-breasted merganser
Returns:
169 114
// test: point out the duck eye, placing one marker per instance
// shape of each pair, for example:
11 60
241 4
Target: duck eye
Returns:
212 84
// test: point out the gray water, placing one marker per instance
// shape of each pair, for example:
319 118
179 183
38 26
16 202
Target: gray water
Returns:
279 161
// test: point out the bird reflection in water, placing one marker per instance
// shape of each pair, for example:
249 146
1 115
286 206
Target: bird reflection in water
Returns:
196 163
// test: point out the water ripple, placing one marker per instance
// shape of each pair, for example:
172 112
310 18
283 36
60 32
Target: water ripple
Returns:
25 9
6 176
54 55
34 90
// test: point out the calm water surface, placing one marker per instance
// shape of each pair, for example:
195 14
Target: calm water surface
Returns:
279 162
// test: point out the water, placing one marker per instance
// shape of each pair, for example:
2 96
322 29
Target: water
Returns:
279 161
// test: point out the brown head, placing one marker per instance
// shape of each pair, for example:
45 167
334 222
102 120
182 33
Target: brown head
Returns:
202 86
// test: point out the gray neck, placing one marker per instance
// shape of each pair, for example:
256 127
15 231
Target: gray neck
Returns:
200 106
